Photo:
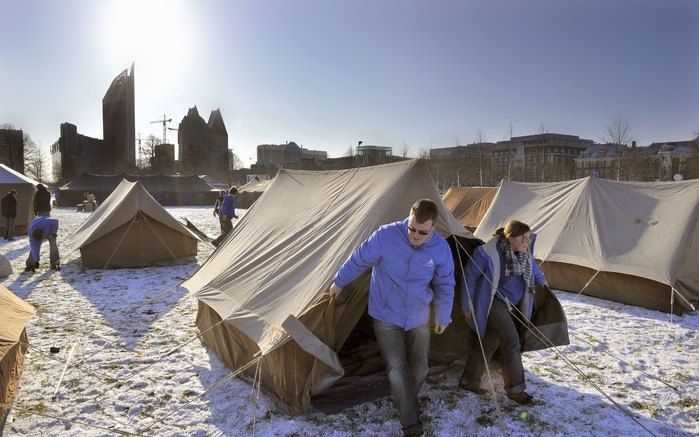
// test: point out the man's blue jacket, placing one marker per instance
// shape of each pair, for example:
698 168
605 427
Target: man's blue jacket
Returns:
404 278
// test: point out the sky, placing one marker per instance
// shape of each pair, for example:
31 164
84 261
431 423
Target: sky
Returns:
327 74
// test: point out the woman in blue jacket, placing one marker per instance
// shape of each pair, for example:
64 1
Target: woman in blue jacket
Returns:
501 274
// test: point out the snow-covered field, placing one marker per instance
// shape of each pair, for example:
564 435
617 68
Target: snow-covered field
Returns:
122 377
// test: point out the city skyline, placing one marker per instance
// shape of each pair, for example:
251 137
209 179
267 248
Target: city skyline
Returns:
329 75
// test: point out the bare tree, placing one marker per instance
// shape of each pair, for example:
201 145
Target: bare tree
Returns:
618 132
34 159
423 153
479 140
404 150
542 128
148 153
350 151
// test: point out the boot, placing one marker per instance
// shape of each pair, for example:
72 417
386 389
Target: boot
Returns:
55 265
522 397
471 386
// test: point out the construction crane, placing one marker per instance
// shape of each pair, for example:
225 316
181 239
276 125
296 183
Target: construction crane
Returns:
164 121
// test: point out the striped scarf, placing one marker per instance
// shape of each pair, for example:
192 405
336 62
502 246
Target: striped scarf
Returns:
517 264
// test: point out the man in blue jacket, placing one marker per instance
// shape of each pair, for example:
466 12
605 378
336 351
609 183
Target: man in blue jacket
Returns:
412 265
42 228
226 214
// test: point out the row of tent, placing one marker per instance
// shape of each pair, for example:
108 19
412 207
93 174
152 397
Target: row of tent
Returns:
635 243
167 190
26 188
261 294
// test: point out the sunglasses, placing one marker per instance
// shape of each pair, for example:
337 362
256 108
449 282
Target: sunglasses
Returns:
413 230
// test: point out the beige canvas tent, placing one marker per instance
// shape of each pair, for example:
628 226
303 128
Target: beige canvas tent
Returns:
262 291
26 188
469 204
131 229
14 316
250 192
635 243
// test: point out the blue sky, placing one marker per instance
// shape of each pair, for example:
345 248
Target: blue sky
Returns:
329 73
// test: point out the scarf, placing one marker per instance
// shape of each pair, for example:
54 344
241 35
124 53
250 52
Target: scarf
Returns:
517 264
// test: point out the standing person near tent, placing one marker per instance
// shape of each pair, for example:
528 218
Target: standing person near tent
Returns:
42 228
9 212
412 264
42 201
217 207
502 273
226 215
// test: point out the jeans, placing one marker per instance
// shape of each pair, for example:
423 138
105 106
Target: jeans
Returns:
43 214
9 227
500 331
405 355
53 253
226 227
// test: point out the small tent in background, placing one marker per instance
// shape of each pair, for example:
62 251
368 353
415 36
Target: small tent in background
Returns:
469 204
14 316
635 243
131 229
262 291
250 192
26 188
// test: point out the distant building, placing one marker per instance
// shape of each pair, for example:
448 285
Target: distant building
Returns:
599 160
74 154
467 165
289 155
164 158
538 158
672 157
12 148
203 145
119 125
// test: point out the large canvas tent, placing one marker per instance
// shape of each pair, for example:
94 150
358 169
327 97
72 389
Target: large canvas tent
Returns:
635 243
14 316
167 190
26 188
469 204
262 291
131 229
250 192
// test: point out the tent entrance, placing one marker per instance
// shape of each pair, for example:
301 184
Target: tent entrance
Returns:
365 376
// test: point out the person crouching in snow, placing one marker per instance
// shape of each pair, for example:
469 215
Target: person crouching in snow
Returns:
42 228
501 274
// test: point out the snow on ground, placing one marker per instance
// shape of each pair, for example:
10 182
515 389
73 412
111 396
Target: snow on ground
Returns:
122 377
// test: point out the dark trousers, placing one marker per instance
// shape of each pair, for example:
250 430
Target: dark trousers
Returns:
53 253
9 227
500 332
405 355
226 227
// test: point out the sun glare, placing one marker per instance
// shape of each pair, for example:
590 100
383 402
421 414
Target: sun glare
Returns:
156 34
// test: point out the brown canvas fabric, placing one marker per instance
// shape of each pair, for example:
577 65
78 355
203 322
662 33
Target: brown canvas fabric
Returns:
26 188
645 230
131 229
469 204
14 316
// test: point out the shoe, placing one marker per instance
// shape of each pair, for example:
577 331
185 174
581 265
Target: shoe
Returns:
55 266
415 430
30 269
471 386
522 398
10 239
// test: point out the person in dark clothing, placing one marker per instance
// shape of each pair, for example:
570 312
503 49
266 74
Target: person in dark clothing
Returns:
217 207
9 212
226 215
42 201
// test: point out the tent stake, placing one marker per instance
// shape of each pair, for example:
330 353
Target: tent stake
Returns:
65 366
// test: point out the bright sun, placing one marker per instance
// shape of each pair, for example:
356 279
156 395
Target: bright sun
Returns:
153 33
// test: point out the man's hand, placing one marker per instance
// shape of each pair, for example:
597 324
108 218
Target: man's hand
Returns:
438 329
334 291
